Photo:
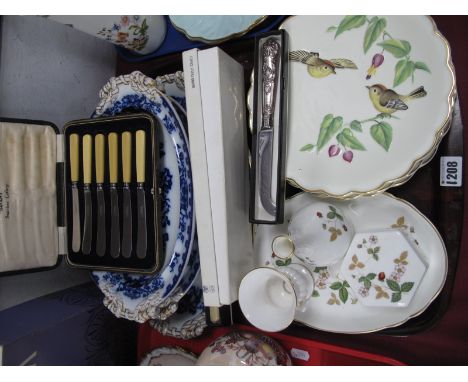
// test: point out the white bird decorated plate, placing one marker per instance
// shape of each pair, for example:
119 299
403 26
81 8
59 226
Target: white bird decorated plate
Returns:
135 296
334 306
370 98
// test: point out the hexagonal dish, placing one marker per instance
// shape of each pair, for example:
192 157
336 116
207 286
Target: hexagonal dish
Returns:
383 268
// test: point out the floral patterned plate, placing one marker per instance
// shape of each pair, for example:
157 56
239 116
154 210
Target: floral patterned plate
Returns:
169 356
189 321
241 348
334 306
370 98
130 295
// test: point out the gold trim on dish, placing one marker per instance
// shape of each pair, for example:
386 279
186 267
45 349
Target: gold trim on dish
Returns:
418 162
436 294
220 40
177 350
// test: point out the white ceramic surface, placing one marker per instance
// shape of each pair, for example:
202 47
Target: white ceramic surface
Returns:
321 234
268 299
339 143
334 306
141 34
169 356
244 349
214 28
383 268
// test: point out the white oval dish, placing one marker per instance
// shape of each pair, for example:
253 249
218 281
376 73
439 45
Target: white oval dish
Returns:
334 306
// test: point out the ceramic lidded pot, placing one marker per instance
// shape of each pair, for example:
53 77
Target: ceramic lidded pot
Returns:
241 348
321 234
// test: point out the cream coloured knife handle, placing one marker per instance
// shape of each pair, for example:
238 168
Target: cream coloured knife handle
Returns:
127 234
88 217
101 202
113 145
141 197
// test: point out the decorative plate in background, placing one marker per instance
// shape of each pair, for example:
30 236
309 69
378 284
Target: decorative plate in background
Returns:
214 29
134 296
169 356
189 320
334 306
340 142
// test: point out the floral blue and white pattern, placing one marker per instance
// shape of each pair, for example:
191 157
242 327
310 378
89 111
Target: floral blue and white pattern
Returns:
130 295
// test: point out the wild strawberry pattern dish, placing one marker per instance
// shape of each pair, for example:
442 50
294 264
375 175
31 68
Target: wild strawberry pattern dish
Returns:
383 268
338 304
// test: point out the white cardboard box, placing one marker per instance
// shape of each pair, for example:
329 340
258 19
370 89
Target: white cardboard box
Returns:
218 143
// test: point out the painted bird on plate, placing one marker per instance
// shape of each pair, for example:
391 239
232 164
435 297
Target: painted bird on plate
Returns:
388 101
320 67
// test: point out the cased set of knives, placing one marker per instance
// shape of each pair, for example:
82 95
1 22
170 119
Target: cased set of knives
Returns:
112 197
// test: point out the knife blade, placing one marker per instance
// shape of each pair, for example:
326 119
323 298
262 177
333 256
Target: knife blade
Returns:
126 194
140 168
88 210
265 153
74 177
101 203
114 196
270 52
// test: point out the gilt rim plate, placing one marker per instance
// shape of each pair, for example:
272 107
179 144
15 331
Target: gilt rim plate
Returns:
168 356
334 306
215 29
130 295
342 143
189 320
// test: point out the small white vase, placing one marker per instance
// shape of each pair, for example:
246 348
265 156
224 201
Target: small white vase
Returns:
140 34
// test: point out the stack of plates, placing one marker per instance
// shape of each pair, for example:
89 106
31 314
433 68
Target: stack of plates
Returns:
369 100
165 295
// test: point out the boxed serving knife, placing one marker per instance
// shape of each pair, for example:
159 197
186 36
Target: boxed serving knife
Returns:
267 174
90 194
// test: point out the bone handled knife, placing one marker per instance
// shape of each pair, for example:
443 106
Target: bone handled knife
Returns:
140 169
126 194
101 203
74 176
113 145
88 210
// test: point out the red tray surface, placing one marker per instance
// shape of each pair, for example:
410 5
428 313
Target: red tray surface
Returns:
319 353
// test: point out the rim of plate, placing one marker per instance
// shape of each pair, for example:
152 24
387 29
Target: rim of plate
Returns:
436 294
418 162
174 325
167 350
257 22
132 77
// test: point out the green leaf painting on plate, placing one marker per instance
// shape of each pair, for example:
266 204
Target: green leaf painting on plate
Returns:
373 32
382 133
399 48
350 22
